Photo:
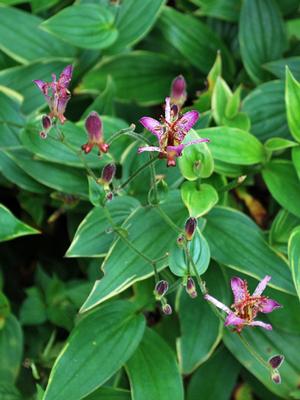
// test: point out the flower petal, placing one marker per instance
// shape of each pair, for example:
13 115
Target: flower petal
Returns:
148 148
168 110
66 76
40 84
261 286
269 305
217 303
239 288
152 125
232 319
261 324
187 121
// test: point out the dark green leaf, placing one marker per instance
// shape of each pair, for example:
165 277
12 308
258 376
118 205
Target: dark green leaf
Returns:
294 257
278 67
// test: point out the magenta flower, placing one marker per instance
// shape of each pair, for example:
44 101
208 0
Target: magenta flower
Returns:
246 307
178 91
171 132
94 128
56 93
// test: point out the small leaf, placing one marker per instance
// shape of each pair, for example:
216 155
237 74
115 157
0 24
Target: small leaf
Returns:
89 26
98 346
198 200
277 144
292 100
294 257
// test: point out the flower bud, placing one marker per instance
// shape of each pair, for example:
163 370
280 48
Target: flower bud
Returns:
108 173
93 125
46 124
109 196
276 361
166 309
161 289
178 91
191 288
180 240
190 227
276 378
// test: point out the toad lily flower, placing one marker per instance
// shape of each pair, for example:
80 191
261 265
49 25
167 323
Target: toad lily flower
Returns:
56 93
171 132
246 307
94 128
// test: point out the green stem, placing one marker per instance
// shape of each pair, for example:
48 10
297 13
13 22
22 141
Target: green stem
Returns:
253 352
153 180
128 132
167 219
235 183
49 345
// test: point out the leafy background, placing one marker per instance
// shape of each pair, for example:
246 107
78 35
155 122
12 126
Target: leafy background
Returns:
241 59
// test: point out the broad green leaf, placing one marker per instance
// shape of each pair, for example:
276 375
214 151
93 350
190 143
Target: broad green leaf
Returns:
288 6
33 309
11 349
153 371
293 27
262 36
104 103
97 347
282 227
277 144
109 393
8 391
265 107
227 10
230 170
89 26
26 42
294 257
267 344
236 241
123 266
97 192
134 19
222 370
198 44
21 78
140 76
11 121
11 227
64 179
17 176
200 254
283 183
292 101
199 200
201 330
196 160
92 239
234 146
278 67
220 98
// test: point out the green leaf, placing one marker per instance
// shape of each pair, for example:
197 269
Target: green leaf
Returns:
98 346
261 36
104 103
234 146
11 121
277 144
198 200
196 160
236 241
152 72
278 67
11 227
200 254
91 238
26 42
89 26
293 26
200 330
97 193
142 227
282 227
198 44
109 393
221 369
135 18
265 107
64 179
220 98
33 309
292 101
294 257
279 175
21 78
267 344
11 349
153 371
227 10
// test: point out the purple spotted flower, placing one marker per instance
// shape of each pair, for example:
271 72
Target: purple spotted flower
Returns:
246 307
56 93
171 132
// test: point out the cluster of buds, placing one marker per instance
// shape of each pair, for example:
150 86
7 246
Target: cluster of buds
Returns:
275 362
94 129
160 290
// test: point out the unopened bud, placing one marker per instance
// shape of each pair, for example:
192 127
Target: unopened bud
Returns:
46 124
276 378
190 227
109 196
191 288
178 91
93 125
276 361
161 289
180 240
108 173
166 309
